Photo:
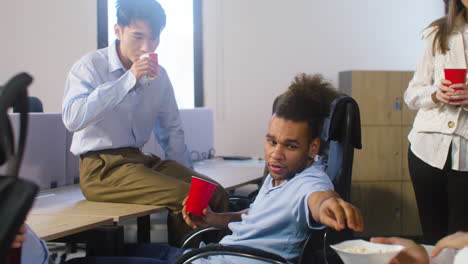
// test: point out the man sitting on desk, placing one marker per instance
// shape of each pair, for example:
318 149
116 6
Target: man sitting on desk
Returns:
297 194
112 106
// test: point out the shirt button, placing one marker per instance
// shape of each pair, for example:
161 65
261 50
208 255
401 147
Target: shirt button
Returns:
451 124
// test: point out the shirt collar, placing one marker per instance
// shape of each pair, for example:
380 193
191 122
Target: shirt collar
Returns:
114 60
309 170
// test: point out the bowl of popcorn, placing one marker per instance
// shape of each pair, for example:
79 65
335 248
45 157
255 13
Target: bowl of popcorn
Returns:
359 251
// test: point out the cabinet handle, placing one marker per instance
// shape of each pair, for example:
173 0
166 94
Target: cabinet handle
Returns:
397 104
396 153
397 214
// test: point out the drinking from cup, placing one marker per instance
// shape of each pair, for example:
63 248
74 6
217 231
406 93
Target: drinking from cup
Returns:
154 57
199 195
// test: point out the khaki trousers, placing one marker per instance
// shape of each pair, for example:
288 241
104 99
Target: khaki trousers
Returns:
126 175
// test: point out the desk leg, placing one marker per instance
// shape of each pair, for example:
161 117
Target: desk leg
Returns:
100 241
144 229
105 241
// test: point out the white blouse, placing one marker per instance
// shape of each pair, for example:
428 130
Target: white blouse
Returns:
430 146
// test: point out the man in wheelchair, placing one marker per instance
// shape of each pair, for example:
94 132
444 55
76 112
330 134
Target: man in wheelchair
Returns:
297 194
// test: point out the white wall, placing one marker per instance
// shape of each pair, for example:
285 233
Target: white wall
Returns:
253 49
44 38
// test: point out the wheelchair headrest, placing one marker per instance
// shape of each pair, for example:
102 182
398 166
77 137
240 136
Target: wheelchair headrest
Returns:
336 126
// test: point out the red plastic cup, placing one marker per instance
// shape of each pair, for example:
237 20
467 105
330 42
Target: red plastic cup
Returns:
455 76
199 195
154 57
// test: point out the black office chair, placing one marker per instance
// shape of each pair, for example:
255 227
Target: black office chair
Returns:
16 195
34 105
341 134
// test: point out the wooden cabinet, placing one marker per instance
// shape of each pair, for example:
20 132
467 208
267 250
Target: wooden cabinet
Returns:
380 204
381 186
380 158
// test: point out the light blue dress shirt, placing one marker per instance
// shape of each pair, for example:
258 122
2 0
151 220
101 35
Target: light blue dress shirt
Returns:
107 108
278 220
34 250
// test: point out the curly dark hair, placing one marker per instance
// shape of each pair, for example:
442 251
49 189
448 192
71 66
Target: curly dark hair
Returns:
308 98
147 10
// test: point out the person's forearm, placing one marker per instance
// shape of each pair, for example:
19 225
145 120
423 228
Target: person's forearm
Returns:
316 199
84 105
226 218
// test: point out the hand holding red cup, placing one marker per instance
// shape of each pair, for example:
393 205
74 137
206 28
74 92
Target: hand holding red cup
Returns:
199 196
154 58
456 76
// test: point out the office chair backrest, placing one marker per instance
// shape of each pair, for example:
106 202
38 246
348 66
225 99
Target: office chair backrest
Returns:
16 195
341 134
34 105
13 94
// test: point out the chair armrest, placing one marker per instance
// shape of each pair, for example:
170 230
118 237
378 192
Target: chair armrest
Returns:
196 233
316 248
238 203
245 252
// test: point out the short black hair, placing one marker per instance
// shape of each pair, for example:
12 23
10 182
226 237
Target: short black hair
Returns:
147 10
308 98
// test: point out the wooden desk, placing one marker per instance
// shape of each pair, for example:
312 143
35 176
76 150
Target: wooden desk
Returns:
64 209
70 201
232 174
49 227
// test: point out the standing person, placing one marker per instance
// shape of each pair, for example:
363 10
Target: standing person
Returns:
437 157
112 107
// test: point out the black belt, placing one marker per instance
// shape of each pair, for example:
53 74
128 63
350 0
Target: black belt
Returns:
108 151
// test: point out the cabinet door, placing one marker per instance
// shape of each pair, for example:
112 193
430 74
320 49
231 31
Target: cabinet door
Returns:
410 225
404 151
380 204
379 95
407 114
380 156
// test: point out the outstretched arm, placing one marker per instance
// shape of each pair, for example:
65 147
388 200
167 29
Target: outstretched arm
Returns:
329 209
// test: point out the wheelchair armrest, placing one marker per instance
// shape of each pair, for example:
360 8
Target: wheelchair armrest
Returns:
235 198
316 248
238 203
332 236
246 252
196 233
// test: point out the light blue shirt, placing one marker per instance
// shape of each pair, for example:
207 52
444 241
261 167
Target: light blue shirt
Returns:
107 108
34 250
279 219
